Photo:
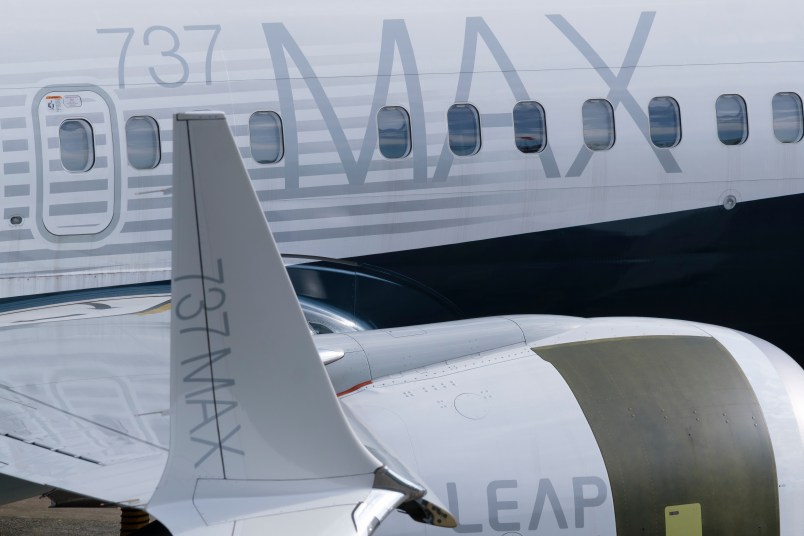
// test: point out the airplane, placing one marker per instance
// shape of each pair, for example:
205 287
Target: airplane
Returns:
523 424
455 160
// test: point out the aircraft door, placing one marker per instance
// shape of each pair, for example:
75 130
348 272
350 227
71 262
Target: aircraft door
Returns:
78 180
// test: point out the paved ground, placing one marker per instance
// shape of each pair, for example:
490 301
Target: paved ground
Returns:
32 517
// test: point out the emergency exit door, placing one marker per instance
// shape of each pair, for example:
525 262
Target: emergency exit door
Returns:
78 183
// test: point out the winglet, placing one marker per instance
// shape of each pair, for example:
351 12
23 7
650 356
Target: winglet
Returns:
257 435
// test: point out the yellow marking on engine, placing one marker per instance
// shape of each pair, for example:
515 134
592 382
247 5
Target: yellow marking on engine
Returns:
683 520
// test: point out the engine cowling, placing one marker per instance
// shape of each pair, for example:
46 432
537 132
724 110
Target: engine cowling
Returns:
538 424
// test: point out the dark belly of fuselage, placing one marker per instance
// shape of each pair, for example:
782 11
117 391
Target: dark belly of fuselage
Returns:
740 268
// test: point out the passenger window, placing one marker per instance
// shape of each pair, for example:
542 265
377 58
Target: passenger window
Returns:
665 122
530 131
788 117
77 145
142 142
463 122
732 119
598 124
393 125
265 134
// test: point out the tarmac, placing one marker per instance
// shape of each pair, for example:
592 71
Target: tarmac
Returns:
33 517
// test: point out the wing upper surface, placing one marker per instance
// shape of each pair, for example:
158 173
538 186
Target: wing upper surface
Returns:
84 396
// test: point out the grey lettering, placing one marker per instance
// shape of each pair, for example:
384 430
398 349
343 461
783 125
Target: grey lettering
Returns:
203 304
216 30
211 396
495 505
218 408
204 277
207 361
452 500
618 86
214 384
170 53
477 27
582 502
215 446
121 62
394 37
547 492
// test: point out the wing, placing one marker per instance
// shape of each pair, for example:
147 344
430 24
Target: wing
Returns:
83 399
258 441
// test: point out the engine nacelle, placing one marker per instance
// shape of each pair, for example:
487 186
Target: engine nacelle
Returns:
551 425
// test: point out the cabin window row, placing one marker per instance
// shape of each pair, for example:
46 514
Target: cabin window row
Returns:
732 118
266 136
77 144
664 118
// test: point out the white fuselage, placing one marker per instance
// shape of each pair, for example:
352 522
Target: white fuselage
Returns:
326 72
